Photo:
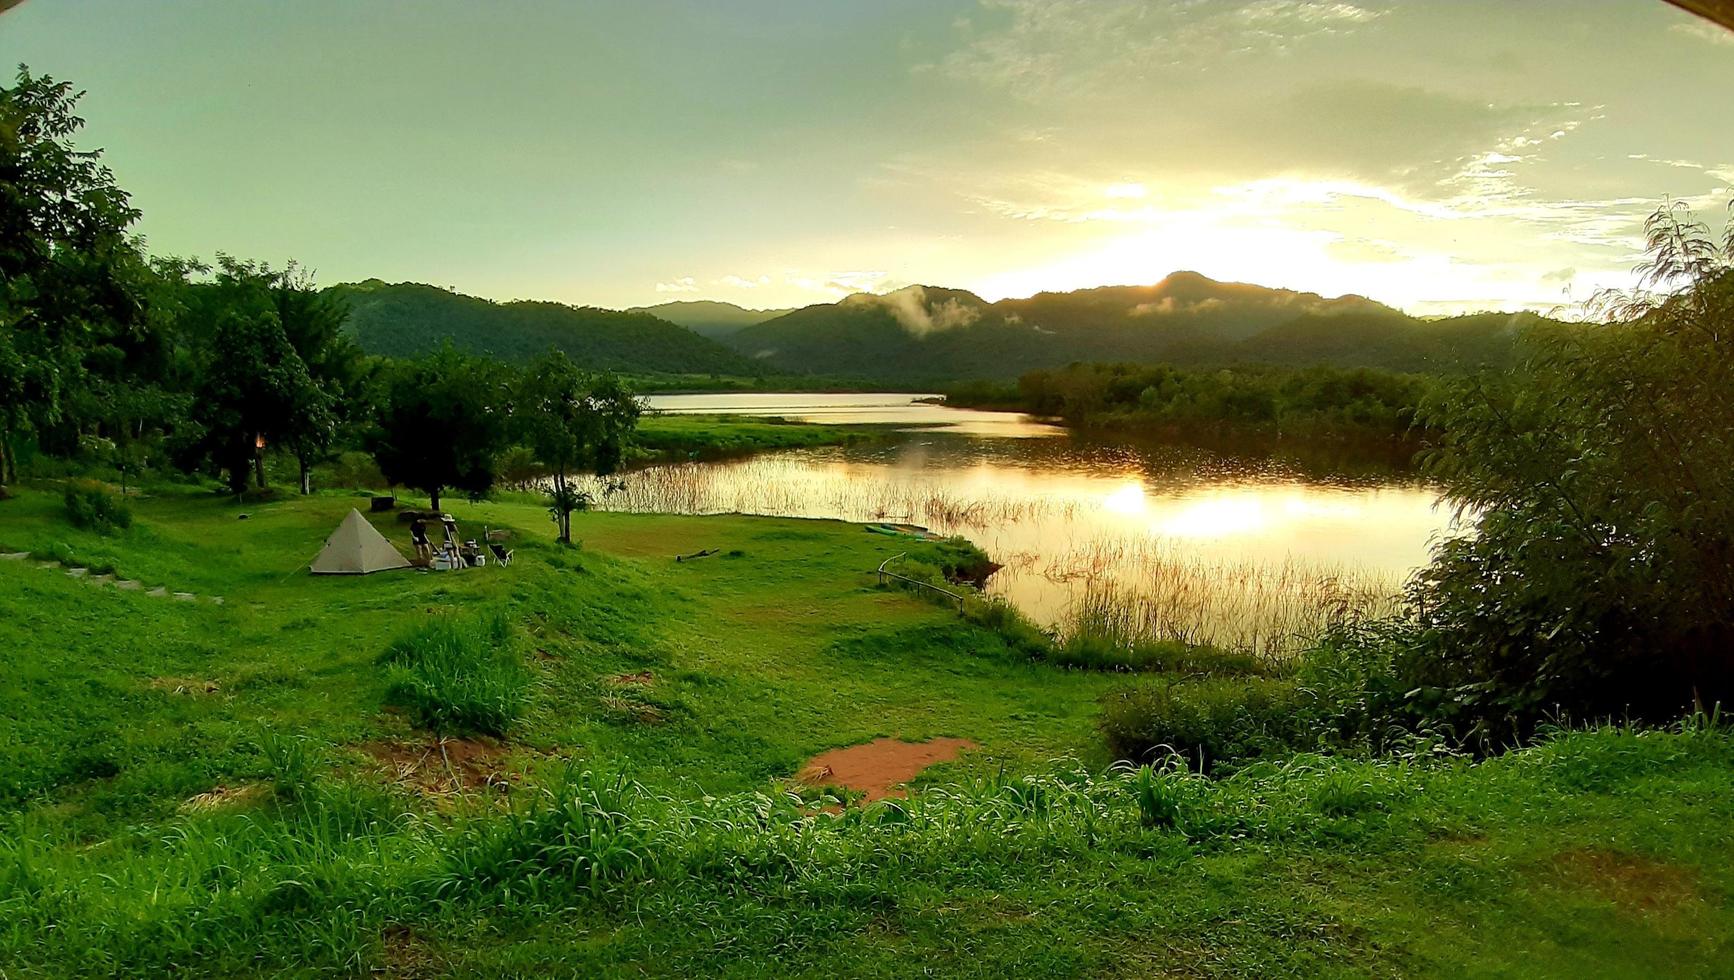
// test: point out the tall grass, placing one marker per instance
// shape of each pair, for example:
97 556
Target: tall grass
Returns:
460 673
313 884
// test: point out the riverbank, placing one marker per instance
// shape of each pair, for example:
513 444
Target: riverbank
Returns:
236 788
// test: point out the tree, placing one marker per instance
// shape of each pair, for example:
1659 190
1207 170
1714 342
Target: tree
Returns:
1600 577
574 422
257 390
70 274
444 425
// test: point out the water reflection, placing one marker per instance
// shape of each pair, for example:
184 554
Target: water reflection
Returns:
1221 538
910 411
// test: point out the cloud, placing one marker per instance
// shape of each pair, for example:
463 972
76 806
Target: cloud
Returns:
1045 49
916 315
741 282
685 284
1705 31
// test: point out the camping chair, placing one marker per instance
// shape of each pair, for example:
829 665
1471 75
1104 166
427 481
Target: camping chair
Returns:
502 555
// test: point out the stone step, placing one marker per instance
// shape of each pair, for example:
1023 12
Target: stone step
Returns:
185 596
128 584
14 556
100 579
216 600
77 572
159 592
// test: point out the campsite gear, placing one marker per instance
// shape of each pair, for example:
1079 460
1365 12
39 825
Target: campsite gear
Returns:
502 556
903 531
355 548
381 504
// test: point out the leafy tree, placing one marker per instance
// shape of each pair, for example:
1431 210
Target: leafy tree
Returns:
444 425
70 274
257 390
1600 577
574 421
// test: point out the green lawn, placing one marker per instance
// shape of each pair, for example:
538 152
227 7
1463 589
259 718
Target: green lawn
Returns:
1600 853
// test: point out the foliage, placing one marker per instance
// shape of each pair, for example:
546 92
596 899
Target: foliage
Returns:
257 389
71 275
1207 721
460 674
1599 579
444 424
1296 402
92 507
574 422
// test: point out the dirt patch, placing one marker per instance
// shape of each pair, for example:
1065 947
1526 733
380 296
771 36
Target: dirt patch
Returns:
631 709
449 765
224 797
640 679
405 956
184 685
879 768
1630 882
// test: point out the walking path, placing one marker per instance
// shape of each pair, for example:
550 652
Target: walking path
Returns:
107 580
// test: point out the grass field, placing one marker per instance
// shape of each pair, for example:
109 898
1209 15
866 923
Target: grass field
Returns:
233 789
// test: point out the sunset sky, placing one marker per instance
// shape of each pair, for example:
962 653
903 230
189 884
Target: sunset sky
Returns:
1458 154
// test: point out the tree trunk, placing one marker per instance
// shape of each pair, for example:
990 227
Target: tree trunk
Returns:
259 467
8 471
306 476
565 516
433 497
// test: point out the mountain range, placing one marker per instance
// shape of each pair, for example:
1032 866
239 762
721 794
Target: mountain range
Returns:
709 317
925 335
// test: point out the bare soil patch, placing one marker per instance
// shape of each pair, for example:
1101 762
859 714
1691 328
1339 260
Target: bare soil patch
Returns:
879 768
1630 882
639 679
448 765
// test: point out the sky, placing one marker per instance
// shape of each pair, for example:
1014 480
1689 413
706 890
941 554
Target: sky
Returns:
1438 156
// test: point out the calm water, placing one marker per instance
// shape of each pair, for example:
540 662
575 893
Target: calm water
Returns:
1217 545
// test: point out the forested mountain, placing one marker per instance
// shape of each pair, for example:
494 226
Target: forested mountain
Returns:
410 319
711 318
926 334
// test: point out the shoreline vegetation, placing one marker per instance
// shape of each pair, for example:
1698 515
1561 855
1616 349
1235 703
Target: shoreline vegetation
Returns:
1374 410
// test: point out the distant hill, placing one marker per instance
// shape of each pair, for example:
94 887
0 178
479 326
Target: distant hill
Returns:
409 319
708 317
928 334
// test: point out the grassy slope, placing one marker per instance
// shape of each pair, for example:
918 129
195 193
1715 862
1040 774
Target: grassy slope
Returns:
1604 853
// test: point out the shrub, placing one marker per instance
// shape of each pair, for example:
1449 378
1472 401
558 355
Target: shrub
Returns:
1600 579
353 470
460 673
1208 721
92 507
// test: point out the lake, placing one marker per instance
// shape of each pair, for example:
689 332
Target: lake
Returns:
1199 544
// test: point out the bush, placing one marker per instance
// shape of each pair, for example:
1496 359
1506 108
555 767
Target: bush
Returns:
353 470
1208 721
1600 578
460 674
90 506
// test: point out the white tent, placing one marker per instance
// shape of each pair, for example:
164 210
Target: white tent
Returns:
355 548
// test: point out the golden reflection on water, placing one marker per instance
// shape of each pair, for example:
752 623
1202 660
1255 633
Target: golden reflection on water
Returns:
1228 546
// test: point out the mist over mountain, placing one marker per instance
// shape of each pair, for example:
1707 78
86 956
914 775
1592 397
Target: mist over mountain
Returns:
708 317
410 319
930 334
